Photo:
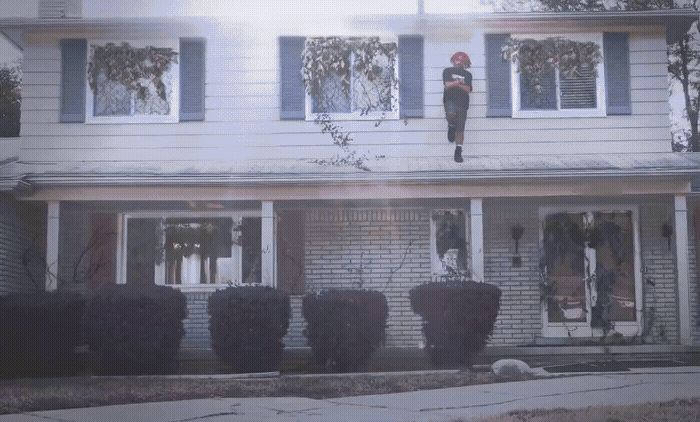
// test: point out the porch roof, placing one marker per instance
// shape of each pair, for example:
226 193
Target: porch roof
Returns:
19 175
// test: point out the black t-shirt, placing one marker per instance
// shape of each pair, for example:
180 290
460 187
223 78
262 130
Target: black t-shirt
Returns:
456 94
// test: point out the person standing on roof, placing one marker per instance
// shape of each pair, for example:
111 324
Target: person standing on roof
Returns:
458 84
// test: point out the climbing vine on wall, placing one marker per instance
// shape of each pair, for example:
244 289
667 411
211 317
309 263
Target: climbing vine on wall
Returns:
135 68
535 58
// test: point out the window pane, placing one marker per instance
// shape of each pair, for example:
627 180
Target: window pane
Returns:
332 98
199 251
543 97
152 102
251 243
191 251
146 95
565 255
615 267
578 90
143 250
450 241
371 94
112 98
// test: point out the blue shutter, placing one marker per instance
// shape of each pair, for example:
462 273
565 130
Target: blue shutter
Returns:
497 77
411 76
73 80
192 73
292 90
617 72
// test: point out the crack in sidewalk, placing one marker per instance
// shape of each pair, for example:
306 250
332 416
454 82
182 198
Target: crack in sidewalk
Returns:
290 412
48 418
211 415
592 390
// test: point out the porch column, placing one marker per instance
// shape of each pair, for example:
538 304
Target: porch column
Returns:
52 223
476 219
681 229
268 257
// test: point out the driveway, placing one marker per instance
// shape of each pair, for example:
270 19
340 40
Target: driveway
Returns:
577 391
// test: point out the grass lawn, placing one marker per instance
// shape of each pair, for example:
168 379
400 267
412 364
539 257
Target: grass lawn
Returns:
676 410
23 395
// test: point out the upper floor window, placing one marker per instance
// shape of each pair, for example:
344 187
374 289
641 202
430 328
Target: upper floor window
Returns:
549 90
351 78
132 82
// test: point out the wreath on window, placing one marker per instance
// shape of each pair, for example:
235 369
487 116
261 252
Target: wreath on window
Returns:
135 68
535 58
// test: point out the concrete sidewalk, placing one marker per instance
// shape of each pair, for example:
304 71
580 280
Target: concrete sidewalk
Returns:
432 405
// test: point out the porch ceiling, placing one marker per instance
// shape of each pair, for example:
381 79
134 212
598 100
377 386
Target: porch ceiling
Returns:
19 175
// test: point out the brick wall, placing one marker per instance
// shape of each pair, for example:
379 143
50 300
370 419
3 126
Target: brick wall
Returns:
694 279
520 317
351 248
22 229
660 265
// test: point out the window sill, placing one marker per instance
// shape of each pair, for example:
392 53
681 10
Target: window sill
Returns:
197 288
558 114
125 120
354 116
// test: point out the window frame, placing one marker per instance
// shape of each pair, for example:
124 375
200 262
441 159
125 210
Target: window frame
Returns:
123 231
172 117
436 267
601 103
394 114
584 329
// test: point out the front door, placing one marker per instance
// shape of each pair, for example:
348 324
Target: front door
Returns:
591 277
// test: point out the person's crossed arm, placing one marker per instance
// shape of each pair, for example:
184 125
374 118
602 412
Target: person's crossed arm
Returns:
458 84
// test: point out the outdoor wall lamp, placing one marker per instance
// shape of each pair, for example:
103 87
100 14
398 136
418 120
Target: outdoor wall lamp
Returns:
667 232
516 232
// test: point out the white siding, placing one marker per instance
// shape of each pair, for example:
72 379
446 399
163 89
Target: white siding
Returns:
242 112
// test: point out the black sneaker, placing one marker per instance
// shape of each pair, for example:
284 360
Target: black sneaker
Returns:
458 155
451 133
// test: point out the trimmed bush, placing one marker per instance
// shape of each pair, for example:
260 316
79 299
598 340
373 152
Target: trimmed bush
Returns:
344 327
135 329
458 318
247 325
39 332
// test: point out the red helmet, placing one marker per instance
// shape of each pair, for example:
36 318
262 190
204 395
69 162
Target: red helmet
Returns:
461 58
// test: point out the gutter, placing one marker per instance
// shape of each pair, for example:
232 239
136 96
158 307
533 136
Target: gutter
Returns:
228 179
661 16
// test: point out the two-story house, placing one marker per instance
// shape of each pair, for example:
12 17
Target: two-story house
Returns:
188 152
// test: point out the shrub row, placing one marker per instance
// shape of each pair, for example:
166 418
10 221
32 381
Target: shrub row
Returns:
138 329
